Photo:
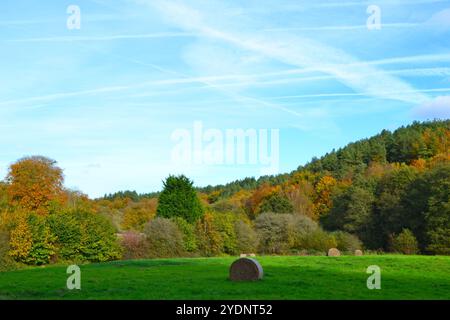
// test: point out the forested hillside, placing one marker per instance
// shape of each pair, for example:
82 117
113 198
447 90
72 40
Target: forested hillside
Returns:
373 188
386 193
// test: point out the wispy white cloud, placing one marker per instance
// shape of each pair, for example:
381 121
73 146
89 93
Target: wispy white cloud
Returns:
355 94
304 5
206 81
220 82
404 2
107 37
379 2
258 80
426 58
440 20
438 108
343 27
86 18
100 100
297 51
62 95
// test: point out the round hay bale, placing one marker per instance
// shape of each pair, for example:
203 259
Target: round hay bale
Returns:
358 252
333 252
246 269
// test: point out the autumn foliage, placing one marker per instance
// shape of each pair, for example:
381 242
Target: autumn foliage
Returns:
386 193
35 184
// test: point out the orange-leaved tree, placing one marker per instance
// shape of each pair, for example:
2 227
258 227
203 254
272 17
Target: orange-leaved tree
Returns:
35 184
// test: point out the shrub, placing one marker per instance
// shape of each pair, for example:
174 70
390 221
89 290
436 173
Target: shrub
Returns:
164 239
284 233
67 227
43 241
188 231
405 242
85 236
209 238
179 199
99 242
247 239
317 240
224 223
303 225
274 232
134 245
347 242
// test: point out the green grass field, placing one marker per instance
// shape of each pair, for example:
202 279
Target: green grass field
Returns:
293 277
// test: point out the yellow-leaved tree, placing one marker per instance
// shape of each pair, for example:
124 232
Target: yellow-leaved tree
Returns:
323 201
21 239
138 214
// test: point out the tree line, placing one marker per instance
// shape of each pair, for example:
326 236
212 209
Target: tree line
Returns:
388 193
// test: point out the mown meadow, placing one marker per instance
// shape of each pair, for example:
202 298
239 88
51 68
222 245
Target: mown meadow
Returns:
387 195
285 277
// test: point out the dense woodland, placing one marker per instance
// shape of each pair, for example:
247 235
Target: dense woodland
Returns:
388 193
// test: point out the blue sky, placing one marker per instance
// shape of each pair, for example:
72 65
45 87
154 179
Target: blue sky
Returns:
103 100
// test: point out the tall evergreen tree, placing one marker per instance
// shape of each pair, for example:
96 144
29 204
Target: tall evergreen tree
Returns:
179 199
